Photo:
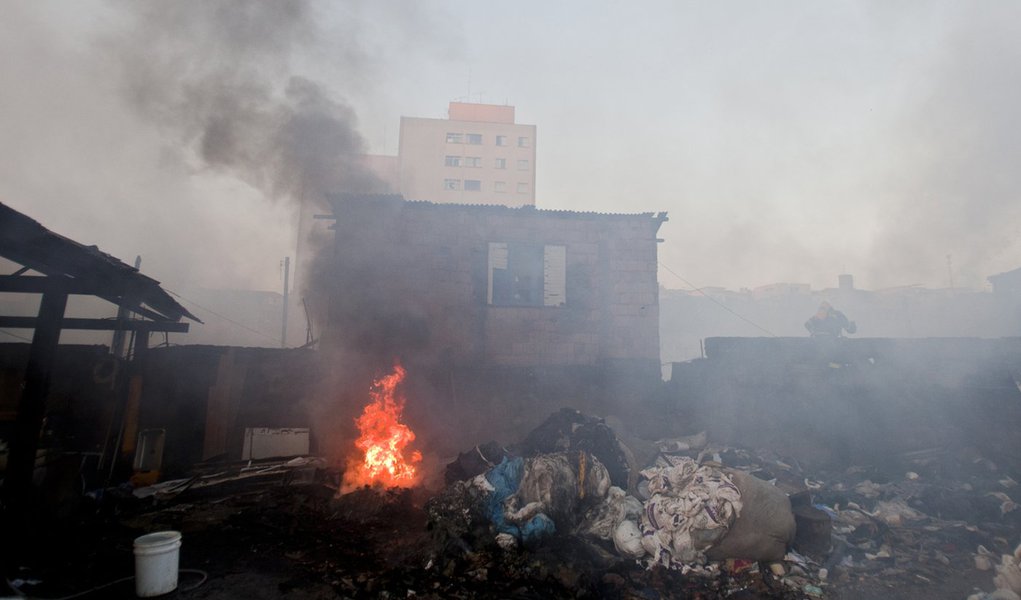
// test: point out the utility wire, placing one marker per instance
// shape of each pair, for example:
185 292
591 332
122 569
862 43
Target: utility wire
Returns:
225 318
717 302
14 335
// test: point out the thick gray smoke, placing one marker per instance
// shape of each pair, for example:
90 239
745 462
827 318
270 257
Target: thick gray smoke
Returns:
217 78
222 82
955 178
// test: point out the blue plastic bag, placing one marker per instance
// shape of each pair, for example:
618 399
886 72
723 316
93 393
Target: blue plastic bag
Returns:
505 478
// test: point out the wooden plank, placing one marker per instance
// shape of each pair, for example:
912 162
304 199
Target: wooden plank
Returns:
222 406
114 293
97 324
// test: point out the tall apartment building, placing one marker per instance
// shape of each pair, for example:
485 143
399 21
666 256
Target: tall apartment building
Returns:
477 156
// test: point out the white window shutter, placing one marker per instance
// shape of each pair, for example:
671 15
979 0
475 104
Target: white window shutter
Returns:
497 260
554 266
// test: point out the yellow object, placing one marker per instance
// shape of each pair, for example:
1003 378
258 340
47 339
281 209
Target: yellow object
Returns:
131 414
144 478
581 474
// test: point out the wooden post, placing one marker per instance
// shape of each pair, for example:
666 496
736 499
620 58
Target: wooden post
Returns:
32 408
134 400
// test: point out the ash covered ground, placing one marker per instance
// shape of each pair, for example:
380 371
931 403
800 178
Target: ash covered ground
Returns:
911 528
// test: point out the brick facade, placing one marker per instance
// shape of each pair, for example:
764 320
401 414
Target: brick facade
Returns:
412 280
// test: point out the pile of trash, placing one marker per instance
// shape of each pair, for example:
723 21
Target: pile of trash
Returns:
681 512
728 514
575 509
1008 574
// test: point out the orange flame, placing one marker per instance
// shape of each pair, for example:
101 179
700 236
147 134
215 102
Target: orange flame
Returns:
383 439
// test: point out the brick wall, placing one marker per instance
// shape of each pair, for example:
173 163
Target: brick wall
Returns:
410 280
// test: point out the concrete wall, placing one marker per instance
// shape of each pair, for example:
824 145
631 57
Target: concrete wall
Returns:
424 146
688 318
857 401
410 280
470 111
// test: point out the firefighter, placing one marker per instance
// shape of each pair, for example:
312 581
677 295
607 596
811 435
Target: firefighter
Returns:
829 322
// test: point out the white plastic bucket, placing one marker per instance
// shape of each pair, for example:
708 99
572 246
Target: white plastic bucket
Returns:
156 559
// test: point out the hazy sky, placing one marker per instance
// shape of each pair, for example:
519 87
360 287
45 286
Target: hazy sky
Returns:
788 141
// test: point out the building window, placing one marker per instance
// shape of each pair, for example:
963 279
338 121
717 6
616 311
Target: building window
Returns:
522 165
527 275
500 186
454 138
472 185
522 142
522 188
451 184
500 163
473 161
475 138
501 140
452 161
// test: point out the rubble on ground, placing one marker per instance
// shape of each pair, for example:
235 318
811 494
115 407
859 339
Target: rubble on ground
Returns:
548 519
861 529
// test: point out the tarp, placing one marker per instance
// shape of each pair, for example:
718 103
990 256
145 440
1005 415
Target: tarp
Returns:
505 479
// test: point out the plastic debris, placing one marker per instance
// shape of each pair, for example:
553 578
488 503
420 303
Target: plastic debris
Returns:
1006 503
1008 572
627 539
526 527
569 430
895 512
690 509
683 444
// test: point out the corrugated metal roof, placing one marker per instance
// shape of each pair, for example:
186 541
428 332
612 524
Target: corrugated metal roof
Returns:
493 208
26 242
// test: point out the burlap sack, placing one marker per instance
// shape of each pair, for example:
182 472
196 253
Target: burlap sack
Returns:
765 527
